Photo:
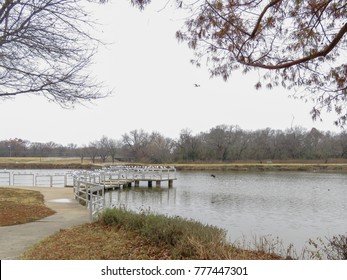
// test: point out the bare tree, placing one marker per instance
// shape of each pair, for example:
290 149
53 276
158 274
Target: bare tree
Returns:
160 148
342 142
102 147
46 49
220 138
114 147
14 147
82 152
188 146
137 142
92 150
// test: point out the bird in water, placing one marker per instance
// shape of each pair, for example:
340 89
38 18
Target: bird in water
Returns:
212 175
196 85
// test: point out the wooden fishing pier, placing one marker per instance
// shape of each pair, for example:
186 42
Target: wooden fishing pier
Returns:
90 186
128 176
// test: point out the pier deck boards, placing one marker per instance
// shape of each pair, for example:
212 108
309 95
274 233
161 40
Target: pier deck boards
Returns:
116 184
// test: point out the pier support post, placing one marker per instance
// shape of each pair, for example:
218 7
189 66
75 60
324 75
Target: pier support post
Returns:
137 184
170 183
149 184
157 183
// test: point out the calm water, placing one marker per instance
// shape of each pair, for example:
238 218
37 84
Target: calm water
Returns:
293 206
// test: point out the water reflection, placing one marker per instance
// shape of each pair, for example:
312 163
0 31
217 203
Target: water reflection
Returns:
142 198
293 206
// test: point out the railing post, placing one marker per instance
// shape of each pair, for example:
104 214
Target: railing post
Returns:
103 198
90 208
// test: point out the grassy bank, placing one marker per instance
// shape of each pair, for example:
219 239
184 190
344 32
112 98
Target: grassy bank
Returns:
44 163
255 167
18 206
122 234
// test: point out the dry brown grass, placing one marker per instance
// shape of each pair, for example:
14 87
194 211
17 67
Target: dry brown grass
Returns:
96 242
224 251
18 206
187 239
50 160
335 165
44 163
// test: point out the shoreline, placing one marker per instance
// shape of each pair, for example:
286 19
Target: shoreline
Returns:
239 167
264 167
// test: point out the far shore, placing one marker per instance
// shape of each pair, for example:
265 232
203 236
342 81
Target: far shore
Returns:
331 165
258 167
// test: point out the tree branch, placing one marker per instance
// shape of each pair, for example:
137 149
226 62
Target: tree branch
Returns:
260 18
313 56
226 20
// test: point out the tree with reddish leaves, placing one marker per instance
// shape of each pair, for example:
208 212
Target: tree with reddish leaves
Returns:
298 44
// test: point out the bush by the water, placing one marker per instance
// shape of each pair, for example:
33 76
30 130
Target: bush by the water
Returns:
334 248
188 239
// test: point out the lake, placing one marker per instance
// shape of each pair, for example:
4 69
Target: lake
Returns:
293 206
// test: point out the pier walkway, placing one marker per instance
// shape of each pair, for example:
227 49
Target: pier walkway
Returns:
90 186
125 176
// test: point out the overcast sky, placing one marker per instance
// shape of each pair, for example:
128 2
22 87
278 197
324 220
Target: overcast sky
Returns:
153 89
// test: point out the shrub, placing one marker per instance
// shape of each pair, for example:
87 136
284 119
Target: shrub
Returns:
334 248
187 238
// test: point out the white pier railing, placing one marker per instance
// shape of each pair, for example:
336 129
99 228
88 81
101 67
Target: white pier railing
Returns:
35 178
90 186
91 195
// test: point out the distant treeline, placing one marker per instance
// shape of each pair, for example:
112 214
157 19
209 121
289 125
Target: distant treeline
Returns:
223 143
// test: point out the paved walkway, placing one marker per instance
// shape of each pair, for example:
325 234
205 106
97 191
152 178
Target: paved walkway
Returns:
15 240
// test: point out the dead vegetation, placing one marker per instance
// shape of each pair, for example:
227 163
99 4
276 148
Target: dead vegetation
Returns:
121 234
18 206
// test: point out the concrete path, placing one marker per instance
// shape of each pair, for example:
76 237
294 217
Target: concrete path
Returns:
15 240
